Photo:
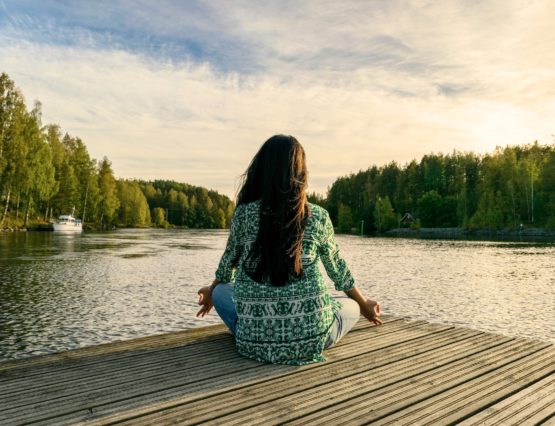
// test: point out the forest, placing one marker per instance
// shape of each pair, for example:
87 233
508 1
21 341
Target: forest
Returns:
45 173
504 189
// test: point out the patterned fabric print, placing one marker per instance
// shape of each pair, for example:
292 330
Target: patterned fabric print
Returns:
289 324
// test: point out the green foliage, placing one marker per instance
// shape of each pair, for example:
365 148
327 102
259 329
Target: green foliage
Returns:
510 186
434 211
159 218
26 172
415 225
220 219
429 209
384 216
187 205
317 199
488 215
44 173
345 218
108 201
133 211
68 190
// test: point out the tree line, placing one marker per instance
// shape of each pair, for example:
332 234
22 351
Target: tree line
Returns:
511 186
45 173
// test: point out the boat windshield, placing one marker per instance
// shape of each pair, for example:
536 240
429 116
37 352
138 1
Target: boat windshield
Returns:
67 219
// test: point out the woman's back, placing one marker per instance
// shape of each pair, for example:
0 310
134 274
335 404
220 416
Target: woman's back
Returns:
286 324
268 288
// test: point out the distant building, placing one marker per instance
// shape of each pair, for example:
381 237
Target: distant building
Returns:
407 220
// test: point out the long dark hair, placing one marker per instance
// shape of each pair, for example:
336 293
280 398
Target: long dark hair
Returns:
277 176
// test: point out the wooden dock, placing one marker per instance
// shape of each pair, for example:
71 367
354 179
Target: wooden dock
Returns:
404 372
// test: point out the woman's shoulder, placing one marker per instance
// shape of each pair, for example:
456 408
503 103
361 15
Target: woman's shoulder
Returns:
318 213
247 208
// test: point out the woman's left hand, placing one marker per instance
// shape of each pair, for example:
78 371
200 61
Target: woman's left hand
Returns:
205 300
371 310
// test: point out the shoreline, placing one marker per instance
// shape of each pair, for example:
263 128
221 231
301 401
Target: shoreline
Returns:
44 227
471 233
449 233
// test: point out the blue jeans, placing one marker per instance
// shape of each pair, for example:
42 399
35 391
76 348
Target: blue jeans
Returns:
344 319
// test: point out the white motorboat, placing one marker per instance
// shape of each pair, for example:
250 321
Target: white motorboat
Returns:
67 223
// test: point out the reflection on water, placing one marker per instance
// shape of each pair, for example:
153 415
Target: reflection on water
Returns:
66 291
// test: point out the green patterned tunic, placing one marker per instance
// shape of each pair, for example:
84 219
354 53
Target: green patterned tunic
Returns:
289 324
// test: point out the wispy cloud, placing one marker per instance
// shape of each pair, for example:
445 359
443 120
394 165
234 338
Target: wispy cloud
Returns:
190 90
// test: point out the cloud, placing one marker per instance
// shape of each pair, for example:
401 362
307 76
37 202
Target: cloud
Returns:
359 83
165 30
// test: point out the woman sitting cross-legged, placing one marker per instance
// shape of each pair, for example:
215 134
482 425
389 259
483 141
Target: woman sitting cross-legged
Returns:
268 288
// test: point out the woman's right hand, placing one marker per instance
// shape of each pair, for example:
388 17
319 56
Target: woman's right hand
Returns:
205 301
371 310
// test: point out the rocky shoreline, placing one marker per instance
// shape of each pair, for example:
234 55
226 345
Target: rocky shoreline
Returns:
13 229
398 232
462 232
39 227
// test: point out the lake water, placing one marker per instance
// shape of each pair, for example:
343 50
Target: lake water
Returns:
61 292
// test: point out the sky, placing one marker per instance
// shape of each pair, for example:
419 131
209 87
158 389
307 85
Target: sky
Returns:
189 90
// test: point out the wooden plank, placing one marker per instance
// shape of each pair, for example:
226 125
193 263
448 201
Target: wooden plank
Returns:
311 375
75 400
343 404
195 356
210 351
271 390
478 393
72 364
315 397
376 405
166 384
546 418
405 372
283 366
534 401
149 342
119 348
221 385
81 401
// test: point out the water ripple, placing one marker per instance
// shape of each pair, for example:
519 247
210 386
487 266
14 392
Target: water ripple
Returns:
64 292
